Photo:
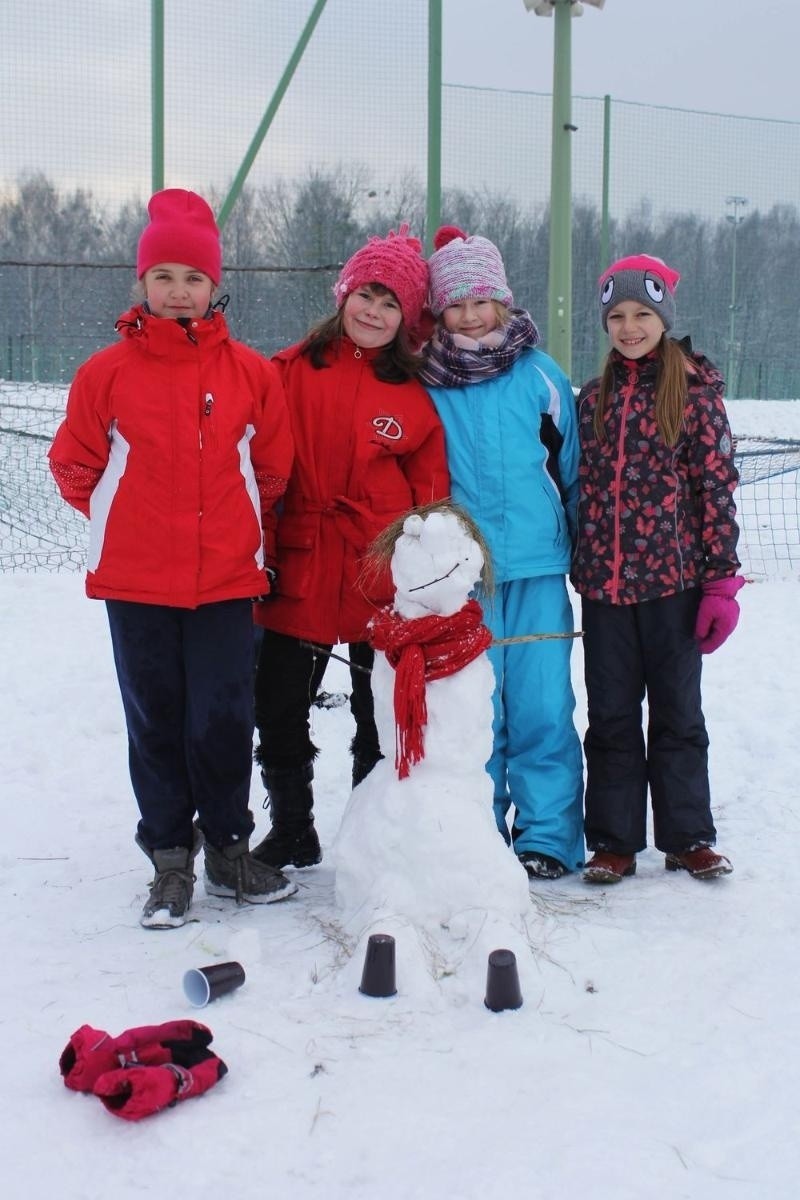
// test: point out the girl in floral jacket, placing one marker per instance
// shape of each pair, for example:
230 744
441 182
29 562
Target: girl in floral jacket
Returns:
655 565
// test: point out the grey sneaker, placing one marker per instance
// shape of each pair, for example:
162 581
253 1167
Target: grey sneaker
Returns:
171 891
232 871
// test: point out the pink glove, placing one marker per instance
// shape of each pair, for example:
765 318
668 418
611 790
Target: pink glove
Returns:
90 1052
718 613
136 1091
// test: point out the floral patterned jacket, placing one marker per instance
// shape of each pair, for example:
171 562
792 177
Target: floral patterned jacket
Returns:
654 519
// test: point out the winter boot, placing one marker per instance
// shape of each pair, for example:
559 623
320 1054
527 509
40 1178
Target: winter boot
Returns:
541 866
292 841
171 890
232 871
605 867
700 861
362 765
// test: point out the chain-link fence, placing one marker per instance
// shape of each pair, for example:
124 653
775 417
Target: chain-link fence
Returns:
718 197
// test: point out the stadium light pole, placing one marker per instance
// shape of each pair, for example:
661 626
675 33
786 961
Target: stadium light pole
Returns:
559 284
734 202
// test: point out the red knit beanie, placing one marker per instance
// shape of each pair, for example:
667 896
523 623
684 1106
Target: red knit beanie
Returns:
396 262
182 229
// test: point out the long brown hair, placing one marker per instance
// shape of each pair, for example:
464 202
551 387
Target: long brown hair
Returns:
396 363
672 390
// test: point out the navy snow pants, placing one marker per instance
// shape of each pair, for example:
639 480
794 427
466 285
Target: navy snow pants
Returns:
186 678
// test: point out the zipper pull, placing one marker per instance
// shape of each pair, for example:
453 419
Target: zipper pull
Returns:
209 404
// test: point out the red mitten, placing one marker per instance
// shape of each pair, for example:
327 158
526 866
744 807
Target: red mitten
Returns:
90 1052
718 612
136 1092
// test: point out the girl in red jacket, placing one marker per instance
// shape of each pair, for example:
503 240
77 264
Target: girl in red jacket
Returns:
176 444
655 565
368 446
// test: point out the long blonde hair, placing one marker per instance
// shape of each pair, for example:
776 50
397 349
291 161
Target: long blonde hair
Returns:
672 390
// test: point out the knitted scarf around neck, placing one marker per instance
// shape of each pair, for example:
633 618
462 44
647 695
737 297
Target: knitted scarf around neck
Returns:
453 361
421 649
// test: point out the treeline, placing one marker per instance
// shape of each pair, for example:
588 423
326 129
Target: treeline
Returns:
282 245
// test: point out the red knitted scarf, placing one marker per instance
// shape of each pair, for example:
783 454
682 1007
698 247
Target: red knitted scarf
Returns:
421 649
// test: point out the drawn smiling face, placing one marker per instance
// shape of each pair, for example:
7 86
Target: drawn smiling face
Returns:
435 565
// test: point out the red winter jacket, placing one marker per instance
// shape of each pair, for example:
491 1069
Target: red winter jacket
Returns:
654 519
365 452
176 443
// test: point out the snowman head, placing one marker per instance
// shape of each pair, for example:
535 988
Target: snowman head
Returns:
437 556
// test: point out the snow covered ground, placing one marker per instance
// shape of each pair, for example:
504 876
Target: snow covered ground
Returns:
655 1054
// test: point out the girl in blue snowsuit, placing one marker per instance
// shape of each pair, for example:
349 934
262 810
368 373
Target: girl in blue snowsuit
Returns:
510 426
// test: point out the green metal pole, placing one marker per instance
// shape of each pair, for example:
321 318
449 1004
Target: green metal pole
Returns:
157 95
559 335
604 212
270 113
433 208
732 326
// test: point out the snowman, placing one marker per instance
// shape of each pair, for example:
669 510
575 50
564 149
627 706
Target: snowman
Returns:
418 849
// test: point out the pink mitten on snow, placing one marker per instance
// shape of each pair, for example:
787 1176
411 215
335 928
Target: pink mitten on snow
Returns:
718 613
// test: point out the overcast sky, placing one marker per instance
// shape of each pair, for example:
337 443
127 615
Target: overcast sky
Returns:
76 102
729 56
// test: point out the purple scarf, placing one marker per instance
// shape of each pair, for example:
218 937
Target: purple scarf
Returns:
453 361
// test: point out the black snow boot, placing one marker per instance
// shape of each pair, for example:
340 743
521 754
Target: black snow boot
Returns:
292 841
363 764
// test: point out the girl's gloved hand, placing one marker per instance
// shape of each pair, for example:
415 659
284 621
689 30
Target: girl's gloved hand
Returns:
718 614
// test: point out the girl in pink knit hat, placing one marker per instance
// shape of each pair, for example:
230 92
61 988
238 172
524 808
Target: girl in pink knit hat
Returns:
509 417
656 568
176 445
369 446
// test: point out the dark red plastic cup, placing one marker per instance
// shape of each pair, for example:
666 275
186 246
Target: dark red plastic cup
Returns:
378 975
204 984
502 982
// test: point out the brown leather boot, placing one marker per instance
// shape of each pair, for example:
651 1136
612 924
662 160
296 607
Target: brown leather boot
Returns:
702 863
605 867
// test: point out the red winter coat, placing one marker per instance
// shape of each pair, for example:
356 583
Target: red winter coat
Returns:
365 452
654 519
176 444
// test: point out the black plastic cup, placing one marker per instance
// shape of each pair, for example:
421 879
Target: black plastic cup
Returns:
502 982
204 984
378 976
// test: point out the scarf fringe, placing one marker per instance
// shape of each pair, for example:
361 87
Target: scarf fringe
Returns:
420 650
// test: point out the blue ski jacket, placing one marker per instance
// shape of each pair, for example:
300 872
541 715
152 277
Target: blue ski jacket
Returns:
512 449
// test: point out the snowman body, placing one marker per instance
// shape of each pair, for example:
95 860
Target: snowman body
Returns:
425 850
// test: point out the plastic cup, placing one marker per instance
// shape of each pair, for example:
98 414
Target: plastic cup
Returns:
378 976
204 984
502 982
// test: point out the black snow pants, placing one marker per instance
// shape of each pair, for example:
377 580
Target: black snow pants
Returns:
631 650
288 678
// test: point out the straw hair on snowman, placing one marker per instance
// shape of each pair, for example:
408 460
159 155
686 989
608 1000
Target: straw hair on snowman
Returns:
434 629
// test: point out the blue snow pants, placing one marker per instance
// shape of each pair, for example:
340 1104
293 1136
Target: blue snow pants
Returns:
186 679
536 763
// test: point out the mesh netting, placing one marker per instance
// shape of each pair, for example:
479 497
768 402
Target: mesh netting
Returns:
38 531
